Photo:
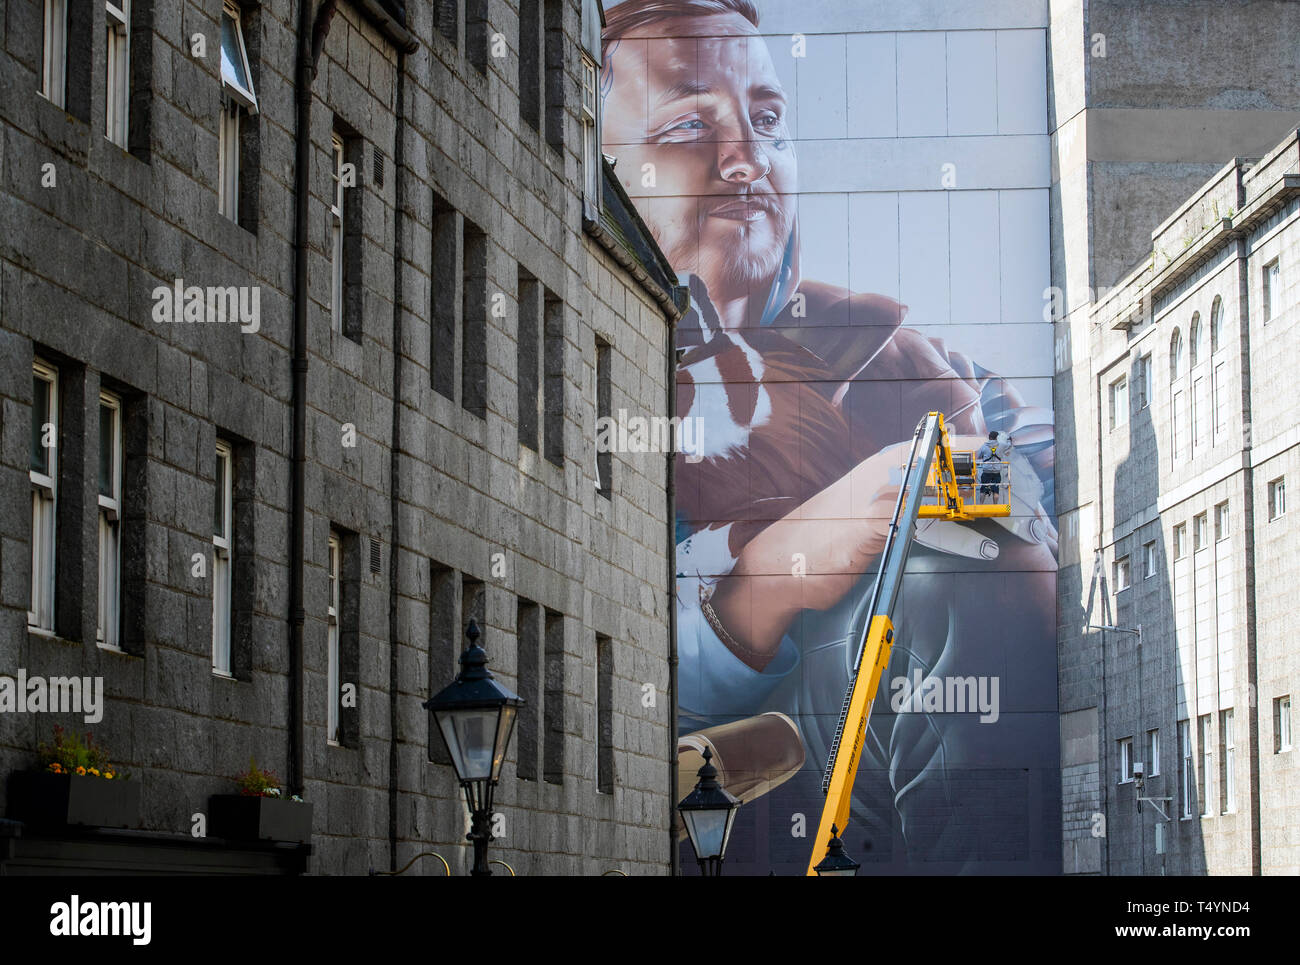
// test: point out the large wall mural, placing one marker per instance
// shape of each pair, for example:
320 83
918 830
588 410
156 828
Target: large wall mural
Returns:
860 211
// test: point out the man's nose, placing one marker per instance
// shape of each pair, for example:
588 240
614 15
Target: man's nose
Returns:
743 162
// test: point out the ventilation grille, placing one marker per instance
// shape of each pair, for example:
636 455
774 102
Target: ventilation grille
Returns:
379 168
374 554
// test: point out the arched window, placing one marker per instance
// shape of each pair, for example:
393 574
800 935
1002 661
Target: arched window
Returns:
1197 340
1176 355
1216 325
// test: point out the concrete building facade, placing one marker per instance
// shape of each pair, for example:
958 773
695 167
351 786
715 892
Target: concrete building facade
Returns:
413 391
1174 433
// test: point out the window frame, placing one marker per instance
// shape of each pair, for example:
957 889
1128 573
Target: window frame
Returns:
223 560
1149 565
54 53
1205 786
108 623
589 115
1180 540
1122 566
1119 403
1272 277
1283 735
1153 752
45 506
1222 521
333 652
1125 760
1276 506
245 96
1187 781
117 70
1144 371
1200 532
228 167
339 154
1227 760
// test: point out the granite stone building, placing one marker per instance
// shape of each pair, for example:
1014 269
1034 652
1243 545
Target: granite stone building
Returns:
308 311
1174 239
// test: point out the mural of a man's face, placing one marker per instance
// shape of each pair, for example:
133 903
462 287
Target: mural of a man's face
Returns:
699 98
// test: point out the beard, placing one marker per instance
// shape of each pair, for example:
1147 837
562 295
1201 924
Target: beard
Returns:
735 257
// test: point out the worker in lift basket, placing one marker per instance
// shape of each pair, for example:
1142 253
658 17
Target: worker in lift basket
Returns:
991 457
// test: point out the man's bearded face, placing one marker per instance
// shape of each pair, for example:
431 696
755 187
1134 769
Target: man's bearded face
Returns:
704 106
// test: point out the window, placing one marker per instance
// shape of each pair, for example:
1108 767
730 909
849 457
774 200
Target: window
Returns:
54 55
602 390
1282 724
445 264
553 383
553 698
477 30
1144 381
1272 289
531 83
1175 408
44 475
1205 786
1185 766
1180 541
1121 574
1227 761
117 90
1216 325
333 687
1199 413
1200 531
222 553
1148 560
528 634
1197 340
591 153
556 51
1153 753
604 715
1125 760
474 310
1118 402
1221 521
239 100
1219 400
528 377
1277 498
1175 355
111 457
336 237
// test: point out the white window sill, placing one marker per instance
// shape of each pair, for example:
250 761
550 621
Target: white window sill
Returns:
224 674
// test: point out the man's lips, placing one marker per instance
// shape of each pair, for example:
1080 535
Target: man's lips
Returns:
746 208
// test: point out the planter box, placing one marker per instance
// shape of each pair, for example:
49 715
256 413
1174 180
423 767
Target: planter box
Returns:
42 798
240 817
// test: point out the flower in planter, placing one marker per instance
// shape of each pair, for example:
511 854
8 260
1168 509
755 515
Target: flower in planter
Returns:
108 775
255 782
70 753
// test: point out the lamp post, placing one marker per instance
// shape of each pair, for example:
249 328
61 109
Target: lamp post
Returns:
475 716
836 864
708 813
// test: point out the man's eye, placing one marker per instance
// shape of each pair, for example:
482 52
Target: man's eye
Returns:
694 124
767 121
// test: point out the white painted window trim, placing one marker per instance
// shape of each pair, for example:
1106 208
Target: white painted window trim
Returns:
54 58
336 237
45 502
117 59
333 687
108 630
222 569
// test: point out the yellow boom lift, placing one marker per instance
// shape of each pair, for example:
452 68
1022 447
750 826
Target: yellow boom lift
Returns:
937 484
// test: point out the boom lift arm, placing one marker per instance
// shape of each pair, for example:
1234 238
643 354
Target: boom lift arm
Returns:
932 470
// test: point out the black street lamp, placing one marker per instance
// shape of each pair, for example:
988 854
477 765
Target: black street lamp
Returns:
708 813
475 716
836 864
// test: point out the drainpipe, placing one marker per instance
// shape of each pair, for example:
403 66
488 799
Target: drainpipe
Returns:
311 37
395 462
670 366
